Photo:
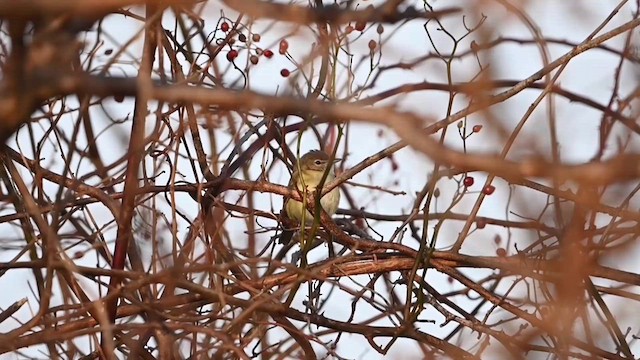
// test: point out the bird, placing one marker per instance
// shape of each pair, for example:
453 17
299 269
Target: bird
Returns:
306 177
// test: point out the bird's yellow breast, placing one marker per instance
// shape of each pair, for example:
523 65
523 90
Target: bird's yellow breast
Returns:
329 202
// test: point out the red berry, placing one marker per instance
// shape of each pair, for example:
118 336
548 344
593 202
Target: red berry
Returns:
118 98
501 252
285 72
268 54
232 54
360 25
224 26
468 181
284 46
394 165
489 189
477 128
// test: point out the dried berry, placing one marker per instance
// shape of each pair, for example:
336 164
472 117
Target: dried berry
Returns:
232 54
284 46
474 46
394 165
468 181
489 189
285 73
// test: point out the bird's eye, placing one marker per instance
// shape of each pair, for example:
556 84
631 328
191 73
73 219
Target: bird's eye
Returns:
318 162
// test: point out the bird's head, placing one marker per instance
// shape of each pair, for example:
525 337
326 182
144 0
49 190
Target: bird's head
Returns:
316 160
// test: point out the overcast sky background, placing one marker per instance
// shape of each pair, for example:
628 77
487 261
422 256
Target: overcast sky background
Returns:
590 75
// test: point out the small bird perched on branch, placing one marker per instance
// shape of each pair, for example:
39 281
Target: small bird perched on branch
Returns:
307 175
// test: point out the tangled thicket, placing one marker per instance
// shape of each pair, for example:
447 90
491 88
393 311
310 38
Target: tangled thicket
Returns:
483 215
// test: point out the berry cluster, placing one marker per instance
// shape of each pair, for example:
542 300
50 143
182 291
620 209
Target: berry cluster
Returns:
255 38
469 181
231 30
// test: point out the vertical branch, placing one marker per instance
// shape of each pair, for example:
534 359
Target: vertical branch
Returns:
134 158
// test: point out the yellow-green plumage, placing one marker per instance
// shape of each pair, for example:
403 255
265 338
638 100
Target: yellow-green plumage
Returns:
307 174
